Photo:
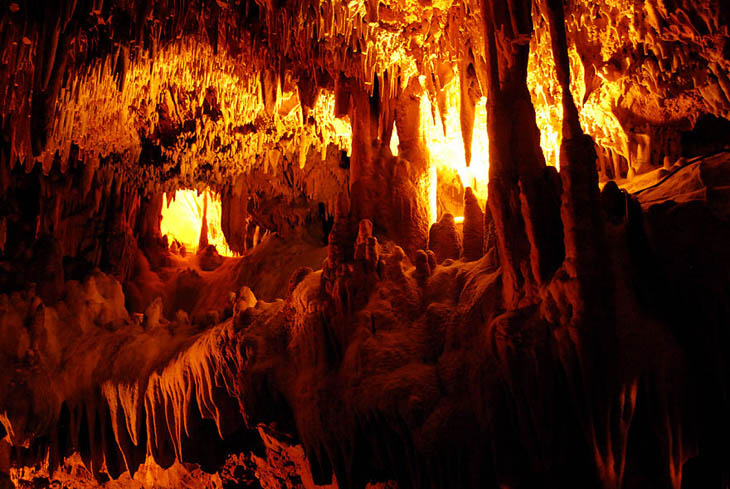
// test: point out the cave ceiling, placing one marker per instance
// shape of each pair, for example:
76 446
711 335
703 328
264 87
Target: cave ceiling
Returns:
185 92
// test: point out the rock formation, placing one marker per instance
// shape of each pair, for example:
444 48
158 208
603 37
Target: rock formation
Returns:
443 244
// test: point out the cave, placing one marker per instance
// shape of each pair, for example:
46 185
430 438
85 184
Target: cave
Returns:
375 244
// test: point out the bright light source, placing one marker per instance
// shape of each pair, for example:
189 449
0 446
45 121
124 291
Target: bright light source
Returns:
182 219
446 146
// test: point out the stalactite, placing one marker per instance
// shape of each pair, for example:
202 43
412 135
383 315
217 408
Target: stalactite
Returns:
271 91
308 90
203 243
584 235
469 95
391 191
147 228
234 215
518 180
412 147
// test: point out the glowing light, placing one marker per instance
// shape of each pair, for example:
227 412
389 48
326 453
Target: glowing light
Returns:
394 141
459 219
597 120
182 219
338 130
446 147
433 194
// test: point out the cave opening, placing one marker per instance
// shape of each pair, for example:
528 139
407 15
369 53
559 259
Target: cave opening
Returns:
373 244
187 215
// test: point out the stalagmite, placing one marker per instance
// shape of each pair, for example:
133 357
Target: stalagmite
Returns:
582 223
362 244
423 268
391 191
473 227
444 239
522 199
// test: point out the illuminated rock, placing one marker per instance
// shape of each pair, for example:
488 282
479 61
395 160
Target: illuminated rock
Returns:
229 256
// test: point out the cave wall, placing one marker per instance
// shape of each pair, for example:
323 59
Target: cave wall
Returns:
198 94
643 73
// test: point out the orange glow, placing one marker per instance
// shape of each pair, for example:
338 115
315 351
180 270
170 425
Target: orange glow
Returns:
446 147
428 184
597 120
339 130
182 219
546 96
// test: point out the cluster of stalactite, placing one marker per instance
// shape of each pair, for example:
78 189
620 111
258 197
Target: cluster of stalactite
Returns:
188 94
92 86
151 87
644 73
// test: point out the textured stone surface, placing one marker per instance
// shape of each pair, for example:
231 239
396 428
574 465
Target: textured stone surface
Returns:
444 239
567 337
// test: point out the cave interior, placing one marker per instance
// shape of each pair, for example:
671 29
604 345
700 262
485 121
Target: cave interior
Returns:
383 244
